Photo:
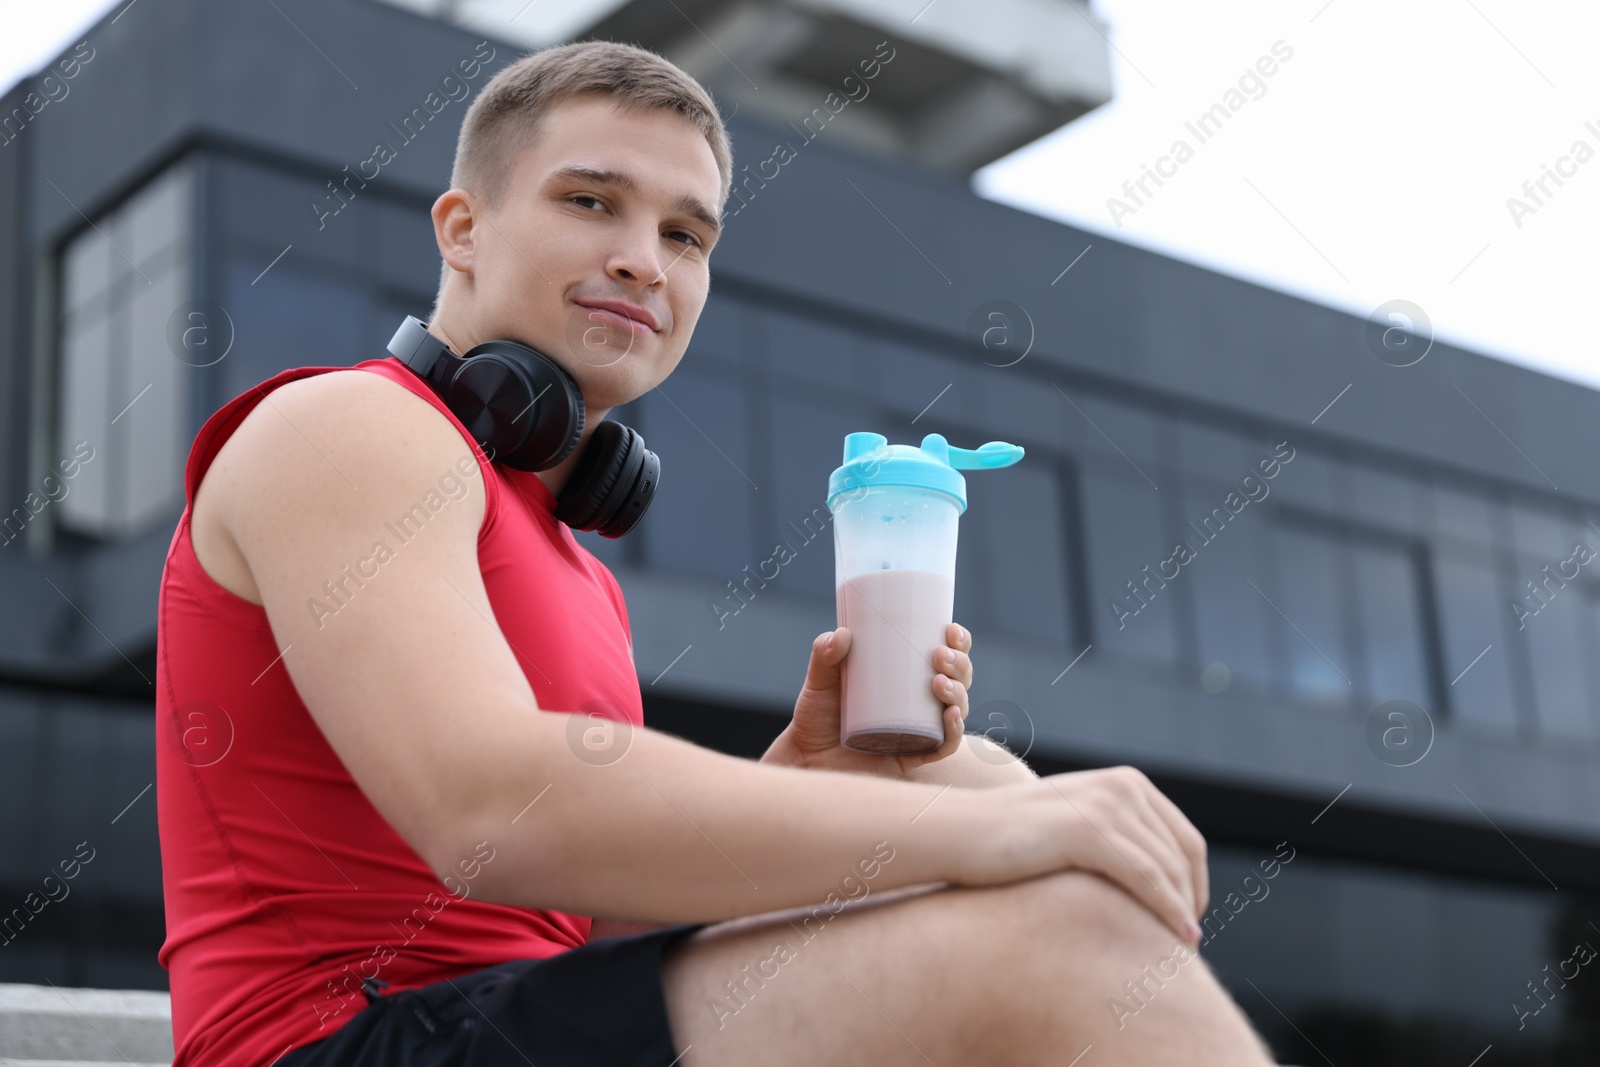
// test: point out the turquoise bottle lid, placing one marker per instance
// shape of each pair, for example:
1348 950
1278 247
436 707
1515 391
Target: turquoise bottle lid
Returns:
870 461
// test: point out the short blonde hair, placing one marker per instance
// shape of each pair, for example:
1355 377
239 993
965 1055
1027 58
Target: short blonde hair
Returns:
506 116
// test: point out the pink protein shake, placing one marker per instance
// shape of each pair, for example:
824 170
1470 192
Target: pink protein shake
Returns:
897 621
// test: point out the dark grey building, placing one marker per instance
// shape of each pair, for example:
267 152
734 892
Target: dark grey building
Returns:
1378 660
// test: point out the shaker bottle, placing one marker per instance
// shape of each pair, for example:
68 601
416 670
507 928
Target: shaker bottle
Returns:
894 511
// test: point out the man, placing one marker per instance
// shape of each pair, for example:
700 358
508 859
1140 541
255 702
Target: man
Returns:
381 843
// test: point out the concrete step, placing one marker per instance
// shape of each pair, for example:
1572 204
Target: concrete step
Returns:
49 1026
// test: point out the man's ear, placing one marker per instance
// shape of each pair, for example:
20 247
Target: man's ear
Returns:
454 228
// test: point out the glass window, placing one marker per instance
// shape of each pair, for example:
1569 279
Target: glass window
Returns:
1540 533
1308 614
1307 480
909 378
1558 650
933 393
1384 499
1464 516
1231 617
1131 611
1214 453
1025 409
700 520
968 403
1473 613
1393 640
1589 609
88 354
298 314
271 208
1586 527
1115 429
1013 522
720 330
812 350
123 391
1349 617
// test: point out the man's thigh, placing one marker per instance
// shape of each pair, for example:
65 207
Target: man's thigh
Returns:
777 988
947 975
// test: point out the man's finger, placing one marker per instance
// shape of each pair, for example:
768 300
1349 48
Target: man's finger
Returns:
828 651
958 637
1190 841
954 664
948 690
953 734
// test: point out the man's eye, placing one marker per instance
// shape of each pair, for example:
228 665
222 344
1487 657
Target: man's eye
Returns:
693 240
583 196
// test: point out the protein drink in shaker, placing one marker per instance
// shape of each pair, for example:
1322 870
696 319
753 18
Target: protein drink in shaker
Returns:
895 509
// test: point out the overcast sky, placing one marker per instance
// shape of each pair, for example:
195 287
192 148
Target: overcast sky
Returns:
1376 165
1377 162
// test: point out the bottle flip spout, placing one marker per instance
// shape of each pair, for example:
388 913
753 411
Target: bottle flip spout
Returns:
988 456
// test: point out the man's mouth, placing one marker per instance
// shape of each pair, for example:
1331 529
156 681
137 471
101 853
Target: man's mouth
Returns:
622 314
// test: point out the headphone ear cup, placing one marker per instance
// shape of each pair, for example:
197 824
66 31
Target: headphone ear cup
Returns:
524 409
612 483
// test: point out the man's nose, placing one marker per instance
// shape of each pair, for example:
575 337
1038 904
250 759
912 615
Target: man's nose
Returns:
639 258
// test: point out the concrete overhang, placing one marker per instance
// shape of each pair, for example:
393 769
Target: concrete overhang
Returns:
966 83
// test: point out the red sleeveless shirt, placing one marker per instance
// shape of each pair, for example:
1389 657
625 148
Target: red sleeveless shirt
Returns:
283 886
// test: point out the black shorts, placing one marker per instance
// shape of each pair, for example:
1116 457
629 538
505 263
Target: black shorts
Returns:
595 1005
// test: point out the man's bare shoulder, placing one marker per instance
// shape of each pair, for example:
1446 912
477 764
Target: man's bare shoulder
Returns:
305 427
325 451
349 405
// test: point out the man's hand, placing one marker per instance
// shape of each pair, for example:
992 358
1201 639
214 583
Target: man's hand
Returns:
811 739
1112 822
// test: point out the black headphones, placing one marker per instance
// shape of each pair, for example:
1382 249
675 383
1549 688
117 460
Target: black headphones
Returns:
493 389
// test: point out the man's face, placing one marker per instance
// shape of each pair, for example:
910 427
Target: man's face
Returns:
605 206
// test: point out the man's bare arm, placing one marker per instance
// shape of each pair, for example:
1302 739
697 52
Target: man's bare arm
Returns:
975 765
417 691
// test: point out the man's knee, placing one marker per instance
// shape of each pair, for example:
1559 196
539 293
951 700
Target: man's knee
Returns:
1069 922
1089 910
